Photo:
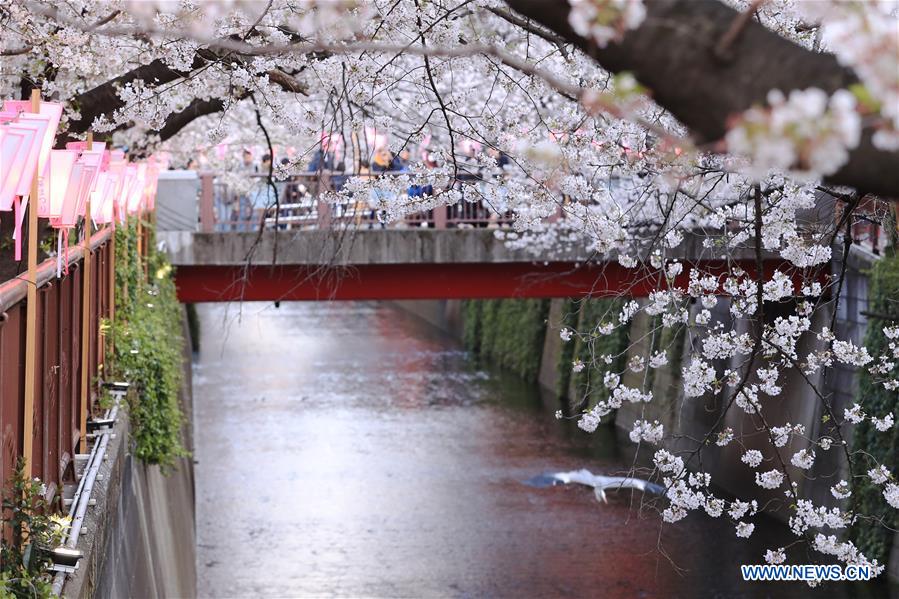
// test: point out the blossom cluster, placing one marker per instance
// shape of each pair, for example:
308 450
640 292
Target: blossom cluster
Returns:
604 21
805 132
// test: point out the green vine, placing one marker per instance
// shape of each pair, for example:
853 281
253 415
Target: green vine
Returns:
148 348
589 345
570 316
872 534
508 333
29 534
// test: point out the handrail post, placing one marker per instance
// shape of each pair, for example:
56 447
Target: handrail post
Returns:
324 215
323 207
207 199
440 216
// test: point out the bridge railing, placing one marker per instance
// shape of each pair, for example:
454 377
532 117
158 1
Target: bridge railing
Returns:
58 407
301 205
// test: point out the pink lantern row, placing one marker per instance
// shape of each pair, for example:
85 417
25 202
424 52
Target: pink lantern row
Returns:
68 177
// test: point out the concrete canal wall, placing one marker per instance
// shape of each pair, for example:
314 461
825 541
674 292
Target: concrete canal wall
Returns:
693 417
139 539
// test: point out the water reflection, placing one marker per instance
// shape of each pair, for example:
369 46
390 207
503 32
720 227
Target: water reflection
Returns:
347 449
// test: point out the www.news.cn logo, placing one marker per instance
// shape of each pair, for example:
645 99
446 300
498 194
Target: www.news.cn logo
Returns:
805 572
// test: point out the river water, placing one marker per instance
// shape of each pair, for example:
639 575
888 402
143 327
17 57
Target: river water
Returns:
348 449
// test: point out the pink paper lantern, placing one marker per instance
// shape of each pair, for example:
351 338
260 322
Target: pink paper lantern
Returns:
151 186
12 156
136 197
72 204
108 203
87 183
128 182
117 166
60 167
52 111
101 198
87 169
94 158
38 125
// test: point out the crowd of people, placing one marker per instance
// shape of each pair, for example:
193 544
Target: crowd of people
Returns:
248 209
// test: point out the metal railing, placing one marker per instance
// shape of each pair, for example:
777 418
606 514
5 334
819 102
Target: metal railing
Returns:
57 403
300 205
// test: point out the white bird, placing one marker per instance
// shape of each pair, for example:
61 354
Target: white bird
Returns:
598 482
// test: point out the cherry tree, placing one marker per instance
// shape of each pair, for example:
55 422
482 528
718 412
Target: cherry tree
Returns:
743 129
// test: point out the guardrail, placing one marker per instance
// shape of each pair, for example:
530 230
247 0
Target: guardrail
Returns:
300 206
58 406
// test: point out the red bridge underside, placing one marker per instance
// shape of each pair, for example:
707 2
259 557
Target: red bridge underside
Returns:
440 281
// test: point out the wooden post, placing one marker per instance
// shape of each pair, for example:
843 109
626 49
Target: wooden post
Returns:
140 244
111 262
86 315
31 313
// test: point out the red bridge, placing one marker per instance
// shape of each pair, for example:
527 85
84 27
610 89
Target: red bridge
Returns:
410 264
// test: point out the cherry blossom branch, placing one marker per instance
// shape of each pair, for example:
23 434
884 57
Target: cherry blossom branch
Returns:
672 54
727 40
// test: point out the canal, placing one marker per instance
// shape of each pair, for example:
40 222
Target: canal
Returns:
348 449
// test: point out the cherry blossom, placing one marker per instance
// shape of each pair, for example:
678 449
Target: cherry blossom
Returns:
841 490
777 556
744 529
593 164
805 132
605 20
770 479
752 457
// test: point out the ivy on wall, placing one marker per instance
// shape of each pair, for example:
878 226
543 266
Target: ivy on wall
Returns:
148 347
872 537
30 531
508 333
587 346
570 317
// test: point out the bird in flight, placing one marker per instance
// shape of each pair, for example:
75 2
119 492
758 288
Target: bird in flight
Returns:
599 482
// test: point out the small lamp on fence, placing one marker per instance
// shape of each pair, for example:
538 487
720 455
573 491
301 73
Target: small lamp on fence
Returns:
97 425
119 386
66 556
